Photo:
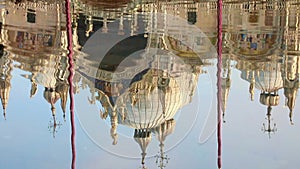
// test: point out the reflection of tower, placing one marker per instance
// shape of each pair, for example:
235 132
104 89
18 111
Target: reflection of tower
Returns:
291 59
290 76
6 68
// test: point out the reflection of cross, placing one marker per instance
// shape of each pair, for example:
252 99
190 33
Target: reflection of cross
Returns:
269 129
52 126
162 159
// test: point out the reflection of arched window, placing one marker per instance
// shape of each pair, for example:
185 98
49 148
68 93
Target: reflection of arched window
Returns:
253 18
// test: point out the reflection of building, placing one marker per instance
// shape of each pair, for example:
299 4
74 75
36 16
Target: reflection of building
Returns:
34 34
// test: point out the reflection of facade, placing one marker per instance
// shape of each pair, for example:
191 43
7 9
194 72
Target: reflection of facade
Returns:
254 34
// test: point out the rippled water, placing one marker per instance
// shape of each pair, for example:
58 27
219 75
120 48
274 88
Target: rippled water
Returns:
150 86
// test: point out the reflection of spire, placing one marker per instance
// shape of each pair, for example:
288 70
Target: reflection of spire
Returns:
290 94
5 78
290 76
269 129
143 138
114 125
226 83
62 89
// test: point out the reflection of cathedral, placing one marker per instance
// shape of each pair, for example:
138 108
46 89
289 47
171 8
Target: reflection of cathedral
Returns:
267 56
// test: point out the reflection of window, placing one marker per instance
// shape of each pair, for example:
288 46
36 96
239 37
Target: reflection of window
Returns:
253 18
269 18
31 16
199 41
192 17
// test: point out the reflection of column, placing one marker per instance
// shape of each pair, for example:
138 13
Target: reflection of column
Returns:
4 35
121 26
89 28
105 29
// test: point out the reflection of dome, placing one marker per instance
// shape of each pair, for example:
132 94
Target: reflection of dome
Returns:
149 103
267 78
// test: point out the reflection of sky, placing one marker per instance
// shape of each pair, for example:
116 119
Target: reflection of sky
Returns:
25 139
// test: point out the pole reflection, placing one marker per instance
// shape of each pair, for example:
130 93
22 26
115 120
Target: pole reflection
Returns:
219 85
70 80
